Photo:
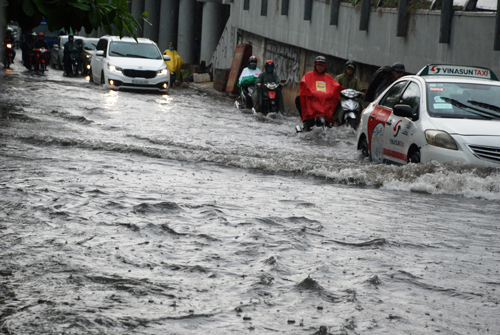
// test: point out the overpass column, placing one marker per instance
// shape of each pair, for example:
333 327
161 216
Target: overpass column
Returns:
211 29
153 8
168 24
186 31
136 9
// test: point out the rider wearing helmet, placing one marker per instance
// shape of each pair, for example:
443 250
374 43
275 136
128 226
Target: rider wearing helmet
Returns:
248 79
9 39
268 76
249 74
348 78
383 78
40 42
72 49
319 95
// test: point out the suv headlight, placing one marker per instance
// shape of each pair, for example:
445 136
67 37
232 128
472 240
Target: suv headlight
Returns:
113 68
163 72
439 138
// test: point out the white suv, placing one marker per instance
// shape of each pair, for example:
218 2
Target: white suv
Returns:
129 64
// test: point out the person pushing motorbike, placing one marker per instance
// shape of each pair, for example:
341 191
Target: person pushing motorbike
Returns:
348 78
268 76
382 78
319 96
174 64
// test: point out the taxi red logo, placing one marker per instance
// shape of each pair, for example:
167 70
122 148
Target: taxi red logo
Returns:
436 89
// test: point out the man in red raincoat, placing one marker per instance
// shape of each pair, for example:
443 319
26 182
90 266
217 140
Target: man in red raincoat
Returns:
319 95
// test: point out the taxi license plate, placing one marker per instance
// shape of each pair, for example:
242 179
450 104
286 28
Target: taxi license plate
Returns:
140 82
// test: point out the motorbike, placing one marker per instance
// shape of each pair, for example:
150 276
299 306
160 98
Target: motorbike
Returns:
73 70
39 59
8 55
350 112
245 98
318 121
270 101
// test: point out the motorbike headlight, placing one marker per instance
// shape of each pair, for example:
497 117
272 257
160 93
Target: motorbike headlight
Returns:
88 56
113 68
163 72
442 139
9 46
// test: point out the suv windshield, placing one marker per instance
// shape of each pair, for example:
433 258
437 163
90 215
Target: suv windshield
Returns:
463 101
134 50
90 44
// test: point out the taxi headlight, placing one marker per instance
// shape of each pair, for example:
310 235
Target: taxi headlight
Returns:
440 139
163 72
113 68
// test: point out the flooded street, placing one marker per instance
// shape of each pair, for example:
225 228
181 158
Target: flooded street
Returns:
137 213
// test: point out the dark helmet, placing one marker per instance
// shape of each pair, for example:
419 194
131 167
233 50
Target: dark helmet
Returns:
269 64
252 59
398 67
40 34
320 59
71 36
351 64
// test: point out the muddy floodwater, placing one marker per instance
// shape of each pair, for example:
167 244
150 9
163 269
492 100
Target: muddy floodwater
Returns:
139 213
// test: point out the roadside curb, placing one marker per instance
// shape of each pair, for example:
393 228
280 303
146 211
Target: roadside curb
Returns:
208 87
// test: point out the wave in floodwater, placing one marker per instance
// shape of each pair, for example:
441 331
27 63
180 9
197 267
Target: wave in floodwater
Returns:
350 168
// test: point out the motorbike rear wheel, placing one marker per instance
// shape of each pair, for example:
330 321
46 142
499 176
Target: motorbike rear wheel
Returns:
353 123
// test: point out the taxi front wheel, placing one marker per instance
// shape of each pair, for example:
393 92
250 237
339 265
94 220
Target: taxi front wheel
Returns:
414 156
363 147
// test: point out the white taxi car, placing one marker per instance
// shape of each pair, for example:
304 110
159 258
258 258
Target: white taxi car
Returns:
126 63
444 113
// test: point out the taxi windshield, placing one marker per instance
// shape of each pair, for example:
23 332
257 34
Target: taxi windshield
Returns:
463 101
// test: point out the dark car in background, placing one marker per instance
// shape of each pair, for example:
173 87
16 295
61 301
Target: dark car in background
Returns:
89 46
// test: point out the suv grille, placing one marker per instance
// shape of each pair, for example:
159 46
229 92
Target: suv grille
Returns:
486 153
139 73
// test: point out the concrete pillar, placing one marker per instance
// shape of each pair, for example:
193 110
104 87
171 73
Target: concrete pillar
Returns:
211 29
169 20
186 31
153 8
136 9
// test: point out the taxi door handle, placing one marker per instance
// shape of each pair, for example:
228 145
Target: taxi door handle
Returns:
372 116
389 122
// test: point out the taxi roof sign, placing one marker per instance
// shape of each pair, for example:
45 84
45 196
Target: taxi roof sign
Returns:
457 70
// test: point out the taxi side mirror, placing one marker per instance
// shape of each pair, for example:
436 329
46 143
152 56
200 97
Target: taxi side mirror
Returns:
99 53
403 111
166 57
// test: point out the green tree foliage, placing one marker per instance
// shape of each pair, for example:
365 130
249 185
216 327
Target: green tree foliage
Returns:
113 16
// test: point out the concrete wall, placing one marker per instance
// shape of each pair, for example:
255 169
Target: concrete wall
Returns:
472 34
